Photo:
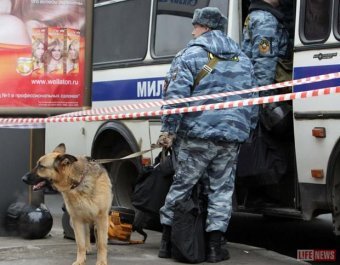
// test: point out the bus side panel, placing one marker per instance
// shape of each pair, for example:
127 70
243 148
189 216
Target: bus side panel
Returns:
80 135
311 152
316 52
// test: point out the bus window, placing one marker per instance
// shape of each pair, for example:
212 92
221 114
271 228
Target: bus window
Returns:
317 20
337 19
174 38
173 24
120 31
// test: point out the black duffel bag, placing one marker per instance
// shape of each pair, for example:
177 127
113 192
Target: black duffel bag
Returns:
188 236
262 160
154 183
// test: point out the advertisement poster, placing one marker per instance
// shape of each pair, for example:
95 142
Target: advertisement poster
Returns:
42 50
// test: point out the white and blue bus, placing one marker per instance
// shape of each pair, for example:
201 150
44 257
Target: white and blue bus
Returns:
134 42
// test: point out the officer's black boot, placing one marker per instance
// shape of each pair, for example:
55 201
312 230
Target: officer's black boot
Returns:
214 252
165 248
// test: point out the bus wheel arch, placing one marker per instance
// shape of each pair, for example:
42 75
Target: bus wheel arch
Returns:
114 140
333 186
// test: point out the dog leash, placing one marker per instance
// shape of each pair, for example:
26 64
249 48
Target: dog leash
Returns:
133 155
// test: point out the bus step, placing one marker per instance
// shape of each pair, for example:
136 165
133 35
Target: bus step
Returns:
283 212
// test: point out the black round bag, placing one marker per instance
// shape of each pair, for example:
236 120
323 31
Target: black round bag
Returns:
35 223
28 221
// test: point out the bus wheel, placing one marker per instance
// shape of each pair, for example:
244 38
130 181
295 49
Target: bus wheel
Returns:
123 176
334 170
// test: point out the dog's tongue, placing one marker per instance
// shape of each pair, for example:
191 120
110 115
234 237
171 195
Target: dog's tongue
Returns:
39 185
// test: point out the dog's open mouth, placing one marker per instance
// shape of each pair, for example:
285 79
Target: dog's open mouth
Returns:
40 185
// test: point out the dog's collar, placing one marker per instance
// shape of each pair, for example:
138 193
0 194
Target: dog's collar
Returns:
75 184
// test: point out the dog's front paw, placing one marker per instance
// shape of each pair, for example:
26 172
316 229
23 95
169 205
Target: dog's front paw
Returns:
101 262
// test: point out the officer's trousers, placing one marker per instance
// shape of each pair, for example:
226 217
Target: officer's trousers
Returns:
215 165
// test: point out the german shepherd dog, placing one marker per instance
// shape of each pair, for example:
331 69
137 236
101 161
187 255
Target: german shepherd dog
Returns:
87 192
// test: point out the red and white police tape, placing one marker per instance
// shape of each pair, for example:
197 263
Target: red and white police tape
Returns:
15 122
104 114
152 104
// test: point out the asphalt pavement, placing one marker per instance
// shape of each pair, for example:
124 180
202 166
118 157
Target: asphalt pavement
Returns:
56 250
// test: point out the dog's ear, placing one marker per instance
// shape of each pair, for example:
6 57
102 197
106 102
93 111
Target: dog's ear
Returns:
66 159
61 148
63 160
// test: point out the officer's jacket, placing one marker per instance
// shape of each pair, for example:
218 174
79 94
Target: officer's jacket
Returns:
265 39
233 73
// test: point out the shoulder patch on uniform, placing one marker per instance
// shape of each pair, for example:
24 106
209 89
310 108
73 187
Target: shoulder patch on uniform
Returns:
264 46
